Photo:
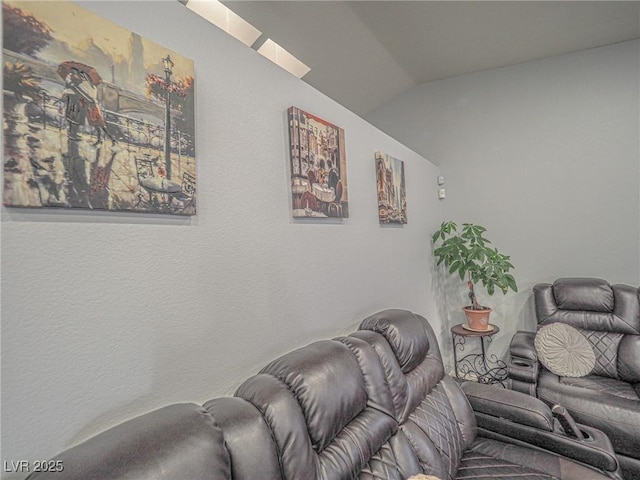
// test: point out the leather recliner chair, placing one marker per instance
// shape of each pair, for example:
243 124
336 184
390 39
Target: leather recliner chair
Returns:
473 431
609 397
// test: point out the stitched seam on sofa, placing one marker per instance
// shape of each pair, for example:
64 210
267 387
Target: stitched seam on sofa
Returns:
413 445
280 450
626 323
605 345
387 463
379 330
599 392
472 467
354 439
595 448
393 455
385 376
305 413
273 437
540 321
522 470
428 342
409 403
387 373
436 418
606 389
481 456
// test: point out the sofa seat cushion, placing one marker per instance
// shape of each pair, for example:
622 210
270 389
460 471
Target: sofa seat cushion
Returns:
604 385
616 415
435 419
489 458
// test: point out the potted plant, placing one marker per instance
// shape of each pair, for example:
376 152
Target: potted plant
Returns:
468 253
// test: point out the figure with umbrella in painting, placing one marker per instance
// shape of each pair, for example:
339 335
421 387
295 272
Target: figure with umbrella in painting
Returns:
81 89
80 97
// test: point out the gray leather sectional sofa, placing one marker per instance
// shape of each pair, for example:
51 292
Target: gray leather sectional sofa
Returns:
372 405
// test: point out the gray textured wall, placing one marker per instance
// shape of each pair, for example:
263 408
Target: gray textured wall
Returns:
108 316
546 155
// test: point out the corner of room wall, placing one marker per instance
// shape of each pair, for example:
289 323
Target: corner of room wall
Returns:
546 155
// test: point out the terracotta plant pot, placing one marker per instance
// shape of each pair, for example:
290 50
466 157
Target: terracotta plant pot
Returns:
477 319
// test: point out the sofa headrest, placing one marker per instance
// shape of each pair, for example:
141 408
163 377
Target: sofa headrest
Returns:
409 353
151 446
589 304
590 294
327 382
321 405
405 332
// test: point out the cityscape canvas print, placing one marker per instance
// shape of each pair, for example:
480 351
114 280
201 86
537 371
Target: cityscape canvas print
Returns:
392 197
95 116
318 167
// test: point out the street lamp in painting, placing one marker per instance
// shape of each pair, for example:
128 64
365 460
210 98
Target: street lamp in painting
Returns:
168 70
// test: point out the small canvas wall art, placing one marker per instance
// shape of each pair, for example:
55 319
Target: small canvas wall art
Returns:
318 167
95 116
392 198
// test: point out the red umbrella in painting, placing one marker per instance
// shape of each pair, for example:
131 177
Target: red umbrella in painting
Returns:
66 67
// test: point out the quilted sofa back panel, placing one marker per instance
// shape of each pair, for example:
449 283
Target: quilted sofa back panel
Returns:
607 315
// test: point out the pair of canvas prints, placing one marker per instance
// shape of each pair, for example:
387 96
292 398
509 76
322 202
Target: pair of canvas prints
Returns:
319 172
98 117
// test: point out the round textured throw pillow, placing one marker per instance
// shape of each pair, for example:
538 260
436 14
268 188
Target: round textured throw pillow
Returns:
563 350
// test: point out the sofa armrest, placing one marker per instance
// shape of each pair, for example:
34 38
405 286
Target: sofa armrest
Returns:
521 419
510 405
153 445
523 366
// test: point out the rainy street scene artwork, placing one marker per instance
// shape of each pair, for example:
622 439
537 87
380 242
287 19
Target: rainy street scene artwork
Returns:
95 116
318 167
392 195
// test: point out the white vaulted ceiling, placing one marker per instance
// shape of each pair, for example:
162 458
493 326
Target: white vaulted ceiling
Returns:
364 53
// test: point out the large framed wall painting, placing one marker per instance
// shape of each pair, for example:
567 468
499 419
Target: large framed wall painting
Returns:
392 195
95 116
318 167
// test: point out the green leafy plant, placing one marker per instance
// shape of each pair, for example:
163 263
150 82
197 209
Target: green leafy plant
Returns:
468 253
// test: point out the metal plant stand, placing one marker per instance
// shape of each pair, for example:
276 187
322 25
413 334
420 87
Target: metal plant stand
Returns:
488 370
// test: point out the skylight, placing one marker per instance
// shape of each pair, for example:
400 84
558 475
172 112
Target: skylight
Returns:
232 23
224 18
281 57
